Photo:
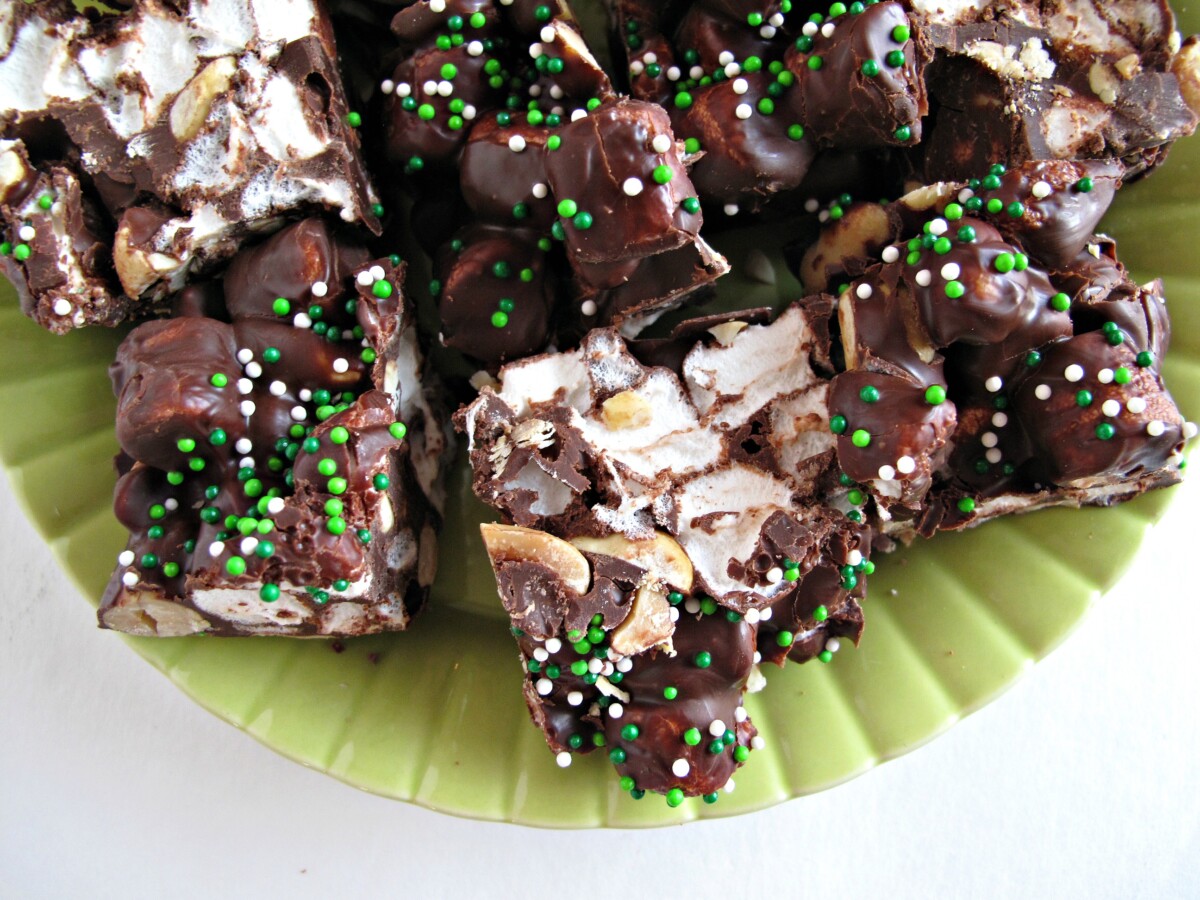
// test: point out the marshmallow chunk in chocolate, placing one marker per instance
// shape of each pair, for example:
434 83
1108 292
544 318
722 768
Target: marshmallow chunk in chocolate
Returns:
280 474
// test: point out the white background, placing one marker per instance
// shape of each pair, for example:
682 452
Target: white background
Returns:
1082 781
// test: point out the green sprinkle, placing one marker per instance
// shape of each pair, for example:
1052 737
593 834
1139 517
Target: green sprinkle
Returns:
691 737
499 319
662 174
900 34
281 306
861 438
674 797
795 132
336 485
616 755
670 692
567 208
1122 375
869 394
821 613
966 505
1145 358
630 732
398 430
353 119
425 111
825 656
838 424
1004 263
703 659
894 58
381 482
583 221
21 252
870 68
1084 398
235 566
336 525
382 289
785 638
1105 431
903 133
955 289
815 63
1084 185
269 592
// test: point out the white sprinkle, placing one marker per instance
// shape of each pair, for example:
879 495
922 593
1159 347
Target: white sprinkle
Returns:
696 72
924 278
247 545
662 143
767 32
588 307
887 473
475 48
811 205
1155 428
1189 430
594 666
636 68
553 645
277 388
244 355
774 575
994 384
516 143
673 73
129 579
833 645
578 114
539 191
125 558
744 111
247 407
692 605
731 209
1042 392
680 768
906 465
776 20
246 462
364 278
994 455
544 686
387 86
1111 408
938 226
1073 372
729 786
765 614
319 289
716 728
758 742
827 29
540 654
341 365
547 34
216 548
951 271
854 557
673 612
253 369
1040 190
376 273
171 504
429 87
809 29
864 291
999 420
63 307
403 90
26 233
1104 376
650 58
632 187
989 439
437 6
575 698
275 505
751 616
965 194
243 445
1136 405
890 254
299 413
469 112
302 320
563 759
757 657
725 57
732 70
245 385
615 710
740 86
624 664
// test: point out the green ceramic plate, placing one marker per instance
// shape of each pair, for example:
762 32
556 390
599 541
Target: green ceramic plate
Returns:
436 716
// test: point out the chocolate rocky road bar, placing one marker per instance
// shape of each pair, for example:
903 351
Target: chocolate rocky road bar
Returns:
677 503
576 208
998 358
279 471
140 149
767 91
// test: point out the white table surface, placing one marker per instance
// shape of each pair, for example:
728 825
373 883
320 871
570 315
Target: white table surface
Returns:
1082 781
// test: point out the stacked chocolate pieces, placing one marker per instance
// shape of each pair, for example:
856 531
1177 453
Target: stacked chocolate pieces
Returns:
726 486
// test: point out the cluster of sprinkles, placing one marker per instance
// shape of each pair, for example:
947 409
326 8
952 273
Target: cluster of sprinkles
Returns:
26 232
587 655
684 80
264 477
